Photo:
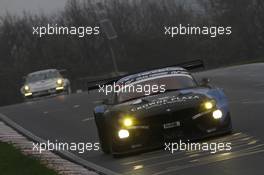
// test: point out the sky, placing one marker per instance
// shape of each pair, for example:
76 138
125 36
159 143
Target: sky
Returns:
34 6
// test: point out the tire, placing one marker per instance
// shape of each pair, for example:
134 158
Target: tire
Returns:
229 126
105 147
103 134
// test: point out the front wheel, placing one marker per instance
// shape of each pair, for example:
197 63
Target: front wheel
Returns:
105 147
104 135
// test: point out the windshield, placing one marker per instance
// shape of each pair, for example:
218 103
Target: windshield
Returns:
42 76
143 88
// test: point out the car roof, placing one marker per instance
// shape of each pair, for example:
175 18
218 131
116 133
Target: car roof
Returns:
42 71
152 73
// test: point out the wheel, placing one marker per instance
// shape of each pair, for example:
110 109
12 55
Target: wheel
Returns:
228 126
105 147
103 133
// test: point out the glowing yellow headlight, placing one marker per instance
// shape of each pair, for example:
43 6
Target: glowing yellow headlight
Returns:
208 105
123 133
26 88
128 122
59 82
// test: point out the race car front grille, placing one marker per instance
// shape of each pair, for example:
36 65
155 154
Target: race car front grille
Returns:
184 115
44 93
180 124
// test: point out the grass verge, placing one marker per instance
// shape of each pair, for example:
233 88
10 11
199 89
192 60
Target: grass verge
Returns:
13 162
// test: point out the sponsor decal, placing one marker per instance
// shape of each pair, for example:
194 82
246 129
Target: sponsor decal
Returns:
152 74
164 101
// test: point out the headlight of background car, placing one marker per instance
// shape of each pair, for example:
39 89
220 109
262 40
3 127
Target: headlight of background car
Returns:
59 82
26 88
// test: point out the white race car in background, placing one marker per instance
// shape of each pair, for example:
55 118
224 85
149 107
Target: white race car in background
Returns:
45 83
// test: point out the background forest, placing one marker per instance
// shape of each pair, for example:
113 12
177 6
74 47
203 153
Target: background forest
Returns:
140 44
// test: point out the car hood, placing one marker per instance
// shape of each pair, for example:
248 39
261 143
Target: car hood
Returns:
158 104
43 85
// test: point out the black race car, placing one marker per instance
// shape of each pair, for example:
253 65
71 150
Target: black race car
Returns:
177 108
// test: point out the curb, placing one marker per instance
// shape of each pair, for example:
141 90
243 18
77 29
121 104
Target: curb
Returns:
63 154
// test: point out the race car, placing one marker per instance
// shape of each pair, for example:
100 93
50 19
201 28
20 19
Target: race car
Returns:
179 109
45 83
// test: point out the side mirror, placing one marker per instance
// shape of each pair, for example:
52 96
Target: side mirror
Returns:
205 82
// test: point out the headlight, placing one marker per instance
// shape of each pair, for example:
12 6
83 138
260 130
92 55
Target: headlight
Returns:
26 88
27 91
209 105
217 114
59 82
127 122
123 133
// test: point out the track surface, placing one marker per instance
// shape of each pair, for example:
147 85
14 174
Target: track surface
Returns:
70 119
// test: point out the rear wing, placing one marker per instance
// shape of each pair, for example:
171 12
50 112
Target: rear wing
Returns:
192 65
93 83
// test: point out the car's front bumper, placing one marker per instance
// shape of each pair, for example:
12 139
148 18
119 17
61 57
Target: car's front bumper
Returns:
46 92
155 135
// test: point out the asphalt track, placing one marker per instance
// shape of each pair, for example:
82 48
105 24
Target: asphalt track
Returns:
70 119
